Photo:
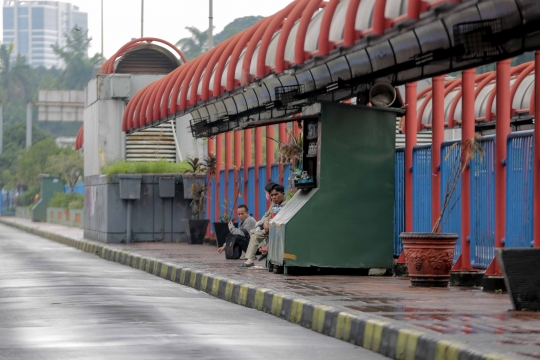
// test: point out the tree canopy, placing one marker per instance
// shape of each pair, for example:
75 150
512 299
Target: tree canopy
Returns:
79 68
197 43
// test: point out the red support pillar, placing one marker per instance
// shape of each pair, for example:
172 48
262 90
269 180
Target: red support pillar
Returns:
228 166
258 162
269 155
283 139
437 128
502 128
536 170
237 165
467 132
248 160
410 142
413 9
219 163
210 150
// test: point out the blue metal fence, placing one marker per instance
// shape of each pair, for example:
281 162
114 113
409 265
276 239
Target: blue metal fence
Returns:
399 201
421 173
250 190
450 153
519 190
79 189
482 236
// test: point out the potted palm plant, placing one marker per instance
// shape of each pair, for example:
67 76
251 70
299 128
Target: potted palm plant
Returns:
221 227
429 255
195 174
196 183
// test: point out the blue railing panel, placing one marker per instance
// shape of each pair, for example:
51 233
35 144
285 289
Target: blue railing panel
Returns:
399 201
287 169
451 223
483 205
231 189
262 195
274 175
421 173
79 189
519 190
212 195
221 193
1 202
251 190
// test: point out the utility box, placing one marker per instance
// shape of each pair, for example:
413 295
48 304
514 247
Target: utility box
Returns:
167 187
346 219
49 186
130 187
120 85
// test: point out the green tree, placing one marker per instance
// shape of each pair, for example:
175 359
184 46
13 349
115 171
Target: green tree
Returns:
194 45
69 164
236 26
15 78
79 67
14 144
197 43
33 162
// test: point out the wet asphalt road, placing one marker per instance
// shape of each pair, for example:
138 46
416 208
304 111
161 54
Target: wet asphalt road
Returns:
60 303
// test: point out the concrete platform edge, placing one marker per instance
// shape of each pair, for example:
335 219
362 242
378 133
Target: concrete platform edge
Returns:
384 337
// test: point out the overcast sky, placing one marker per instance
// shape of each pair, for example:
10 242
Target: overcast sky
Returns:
165 19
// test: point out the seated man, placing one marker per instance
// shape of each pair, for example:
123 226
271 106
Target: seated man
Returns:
260 234
247 223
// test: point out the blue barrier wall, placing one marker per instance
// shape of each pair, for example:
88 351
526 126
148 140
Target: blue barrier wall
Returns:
482 237
399 204
421 173
519 212
232 188
451 223
519 190
79 189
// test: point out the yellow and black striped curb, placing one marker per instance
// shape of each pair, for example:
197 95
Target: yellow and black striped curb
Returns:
384 337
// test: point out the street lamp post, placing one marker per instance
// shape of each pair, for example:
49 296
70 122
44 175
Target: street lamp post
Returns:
210 26
142 18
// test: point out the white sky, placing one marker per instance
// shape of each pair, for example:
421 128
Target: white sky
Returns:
163 19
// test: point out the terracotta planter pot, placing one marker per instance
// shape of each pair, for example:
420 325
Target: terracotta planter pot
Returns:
429 257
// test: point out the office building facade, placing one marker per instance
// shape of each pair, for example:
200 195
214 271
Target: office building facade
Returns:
33 26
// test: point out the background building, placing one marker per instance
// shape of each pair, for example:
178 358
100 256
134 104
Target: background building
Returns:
33 26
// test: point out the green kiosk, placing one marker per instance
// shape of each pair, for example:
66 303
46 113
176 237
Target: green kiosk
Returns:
344 219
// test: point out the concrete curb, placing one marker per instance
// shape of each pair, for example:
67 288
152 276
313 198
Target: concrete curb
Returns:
384 337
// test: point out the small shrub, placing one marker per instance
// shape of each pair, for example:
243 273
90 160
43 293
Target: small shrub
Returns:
77 204
27 198
150 167
63 200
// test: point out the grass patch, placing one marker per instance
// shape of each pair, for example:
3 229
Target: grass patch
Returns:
150 167
72 201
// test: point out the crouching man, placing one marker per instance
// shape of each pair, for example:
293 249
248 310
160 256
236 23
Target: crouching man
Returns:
259 236
246 224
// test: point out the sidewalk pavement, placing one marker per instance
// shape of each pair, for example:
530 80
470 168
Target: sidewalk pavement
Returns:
384 314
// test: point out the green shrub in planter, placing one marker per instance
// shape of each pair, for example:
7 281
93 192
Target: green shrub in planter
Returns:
63 200
144 167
